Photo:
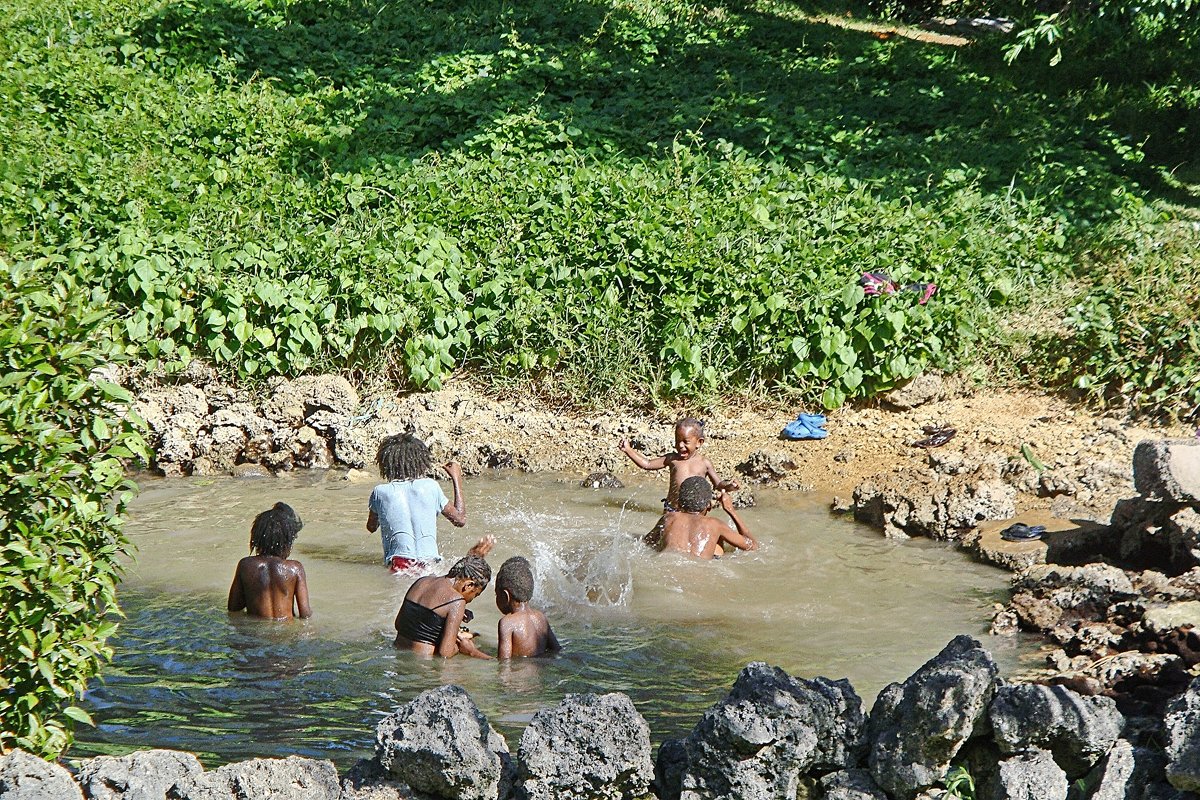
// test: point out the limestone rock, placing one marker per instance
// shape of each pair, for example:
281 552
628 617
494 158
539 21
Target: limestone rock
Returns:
1183 539
1029 776
588 747
1169 469
767 465
927 387
601 480
291 778
914 502
440 743
760 741
1183 739
26 777
851 784
142 775
1077 730
916 727
1125 771
366 780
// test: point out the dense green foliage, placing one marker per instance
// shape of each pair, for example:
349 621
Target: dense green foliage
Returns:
63 438
606 197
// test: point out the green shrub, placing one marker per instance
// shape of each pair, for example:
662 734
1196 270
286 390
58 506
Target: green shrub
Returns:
64 437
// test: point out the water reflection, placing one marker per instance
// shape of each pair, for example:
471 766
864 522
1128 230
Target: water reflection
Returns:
822 596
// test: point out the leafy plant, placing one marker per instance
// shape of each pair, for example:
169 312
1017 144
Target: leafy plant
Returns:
65 435
960 783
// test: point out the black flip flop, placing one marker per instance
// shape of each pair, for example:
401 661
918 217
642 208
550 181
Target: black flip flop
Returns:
1020 532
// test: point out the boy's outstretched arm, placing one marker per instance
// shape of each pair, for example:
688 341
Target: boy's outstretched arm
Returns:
720 485
456 509
639 459
303 609
742 539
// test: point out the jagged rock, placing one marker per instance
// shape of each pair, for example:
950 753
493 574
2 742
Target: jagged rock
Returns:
758 742
1169 469
916 503
588 747
1182 724
851 784
309 449
1063 542
1031 775
927 387
1125 771
767 465
291 402
291 778
442 744
1077 730
26 777
601 480
669 767
1046 595
916 727
1183 539
142 775
366 780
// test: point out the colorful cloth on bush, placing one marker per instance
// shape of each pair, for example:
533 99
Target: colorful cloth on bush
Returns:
806 426
877 283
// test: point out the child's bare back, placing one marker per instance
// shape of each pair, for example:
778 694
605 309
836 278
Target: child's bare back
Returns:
690 531
267 583
523 631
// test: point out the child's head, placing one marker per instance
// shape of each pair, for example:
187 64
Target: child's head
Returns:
689 435
514 583
402 457
274 531
471 575
695 494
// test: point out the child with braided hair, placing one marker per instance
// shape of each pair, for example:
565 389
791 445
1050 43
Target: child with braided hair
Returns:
267 583
432 617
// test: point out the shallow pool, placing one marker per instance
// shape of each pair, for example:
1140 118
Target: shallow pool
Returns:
823 596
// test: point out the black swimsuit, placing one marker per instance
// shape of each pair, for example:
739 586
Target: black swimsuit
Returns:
420 624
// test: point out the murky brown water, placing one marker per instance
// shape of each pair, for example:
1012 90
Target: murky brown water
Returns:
823 596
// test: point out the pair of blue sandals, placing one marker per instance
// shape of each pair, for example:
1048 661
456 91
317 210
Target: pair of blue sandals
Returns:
805 426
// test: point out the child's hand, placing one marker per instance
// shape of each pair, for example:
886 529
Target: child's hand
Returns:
727 501
729 486
483 546
623 446
453 469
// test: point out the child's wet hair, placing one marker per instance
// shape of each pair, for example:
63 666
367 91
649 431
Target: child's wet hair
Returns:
472 568
691 423
695 493
402 457
274 531
516 576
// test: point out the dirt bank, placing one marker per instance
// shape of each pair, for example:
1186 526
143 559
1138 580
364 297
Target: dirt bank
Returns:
1060 457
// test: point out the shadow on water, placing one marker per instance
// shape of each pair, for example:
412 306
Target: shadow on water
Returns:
395 81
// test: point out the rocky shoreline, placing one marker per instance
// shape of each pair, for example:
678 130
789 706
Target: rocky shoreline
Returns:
773 737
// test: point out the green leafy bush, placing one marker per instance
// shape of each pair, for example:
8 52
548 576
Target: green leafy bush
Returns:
64 438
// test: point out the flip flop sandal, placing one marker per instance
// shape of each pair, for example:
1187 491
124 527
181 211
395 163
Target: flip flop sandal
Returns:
937 437
1020 532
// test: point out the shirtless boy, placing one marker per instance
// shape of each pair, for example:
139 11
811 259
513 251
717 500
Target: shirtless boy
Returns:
690 531
686 462
267 584
522 631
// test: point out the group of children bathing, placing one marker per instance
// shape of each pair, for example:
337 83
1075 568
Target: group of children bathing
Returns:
433 616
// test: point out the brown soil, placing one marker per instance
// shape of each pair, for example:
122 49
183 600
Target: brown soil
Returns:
1074 443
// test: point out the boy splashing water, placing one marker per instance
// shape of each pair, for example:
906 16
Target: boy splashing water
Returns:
690 531
686 462
522 631
267 584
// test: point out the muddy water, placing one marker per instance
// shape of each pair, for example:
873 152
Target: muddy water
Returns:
822 597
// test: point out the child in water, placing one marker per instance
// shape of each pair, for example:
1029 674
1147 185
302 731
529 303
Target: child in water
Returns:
522 631
690 531
684 463
407 506
432 617
267 584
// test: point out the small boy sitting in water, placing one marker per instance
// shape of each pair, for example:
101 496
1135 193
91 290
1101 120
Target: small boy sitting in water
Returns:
690 531
267 584
684 463
522 631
